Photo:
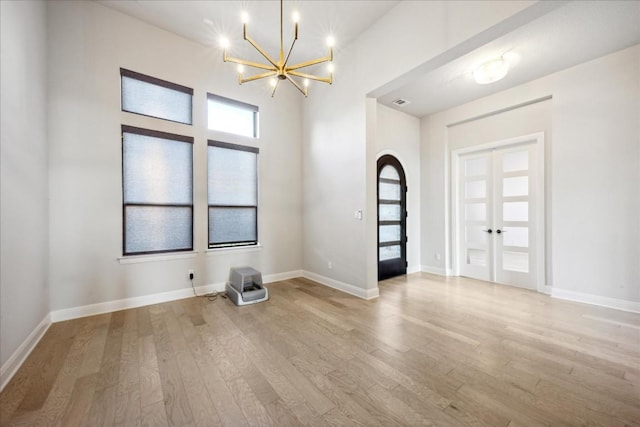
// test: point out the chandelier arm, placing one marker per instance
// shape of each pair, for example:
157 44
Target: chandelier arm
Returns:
262 52
281 37
327 58
290 50
249 63
256 77
273 92
312 77
303 91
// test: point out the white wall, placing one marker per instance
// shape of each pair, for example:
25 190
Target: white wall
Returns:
24 230
592 172
339 154
398 134
88 44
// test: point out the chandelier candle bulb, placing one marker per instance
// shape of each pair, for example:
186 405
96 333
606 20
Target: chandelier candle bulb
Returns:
331 41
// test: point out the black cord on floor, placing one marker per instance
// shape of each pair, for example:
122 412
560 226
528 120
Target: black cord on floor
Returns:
211 296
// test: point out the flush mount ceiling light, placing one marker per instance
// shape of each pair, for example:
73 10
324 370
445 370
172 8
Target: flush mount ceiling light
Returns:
491 71
279 70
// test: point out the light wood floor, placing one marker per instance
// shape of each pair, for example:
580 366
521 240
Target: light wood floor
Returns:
429 351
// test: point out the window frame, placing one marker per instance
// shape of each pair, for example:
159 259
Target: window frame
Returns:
238 104
158 82
167 136
235 244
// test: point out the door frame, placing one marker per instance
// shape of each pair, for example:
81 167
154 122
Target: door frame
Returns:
536 138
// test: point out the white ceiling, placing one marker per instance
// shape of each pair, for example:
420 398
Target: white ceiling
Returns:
568 35
344 20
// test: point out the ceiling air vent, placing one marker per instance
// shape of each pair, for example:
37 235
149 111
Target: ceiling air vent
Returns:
401 102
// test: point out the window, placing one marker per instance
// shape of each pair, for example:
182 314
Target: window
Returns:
157 171
231 116
153 97
232 194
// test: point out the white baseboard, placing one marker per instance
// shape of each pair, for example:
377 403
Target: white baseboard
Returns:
435 270
270 278
13 363
341 286
134 302
618 304
414 269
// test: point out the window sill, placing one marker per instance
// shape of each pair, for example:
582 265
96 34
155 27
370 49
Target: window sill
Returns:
234 250
134 259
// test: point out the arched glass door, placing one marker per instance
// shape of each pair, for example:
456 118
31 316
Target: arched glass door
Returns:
392 218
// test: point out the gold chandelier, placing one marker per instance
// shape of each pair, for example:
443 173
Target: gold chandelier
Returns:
279 70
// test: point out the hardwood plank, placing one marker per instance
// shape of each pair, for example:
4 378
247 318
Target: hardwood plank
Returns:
202 407
109 366
176 401
79 406
128 388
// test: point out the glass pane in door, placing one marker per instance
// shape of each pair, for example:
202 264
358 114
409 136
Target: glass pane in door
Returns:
388 191
515 211
476 189
515 161
389 252
389 233
389 172
476 211
475 167
476 236
389 212
515 186
516 236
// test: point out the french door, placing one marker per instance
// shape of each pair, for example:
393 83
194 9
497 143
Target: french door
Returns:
392 218
498 216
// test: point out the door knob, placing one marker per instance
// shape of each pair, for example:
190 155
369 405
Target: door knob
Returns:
488 231
498 231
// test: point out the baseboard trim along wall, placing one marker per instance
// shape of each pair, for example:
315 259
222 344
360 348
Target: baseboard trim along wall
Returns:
342 286
134 302
435 270
13 363
618 304
414 269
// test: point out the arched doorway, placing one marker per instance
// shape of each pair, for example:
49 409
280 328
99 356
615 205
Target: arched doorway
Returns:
392 218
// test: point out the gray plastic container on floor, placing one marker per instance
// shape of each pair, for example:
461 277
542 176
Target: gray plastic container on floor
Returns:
245 286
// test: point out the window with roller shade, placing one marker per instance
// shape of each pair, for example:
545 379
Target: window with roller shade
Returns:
231 116
150 96
232 194
157 181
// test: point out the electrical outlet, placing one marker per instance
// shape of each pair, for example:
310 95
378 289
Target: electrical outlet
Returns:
191 274
329 265
437 257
